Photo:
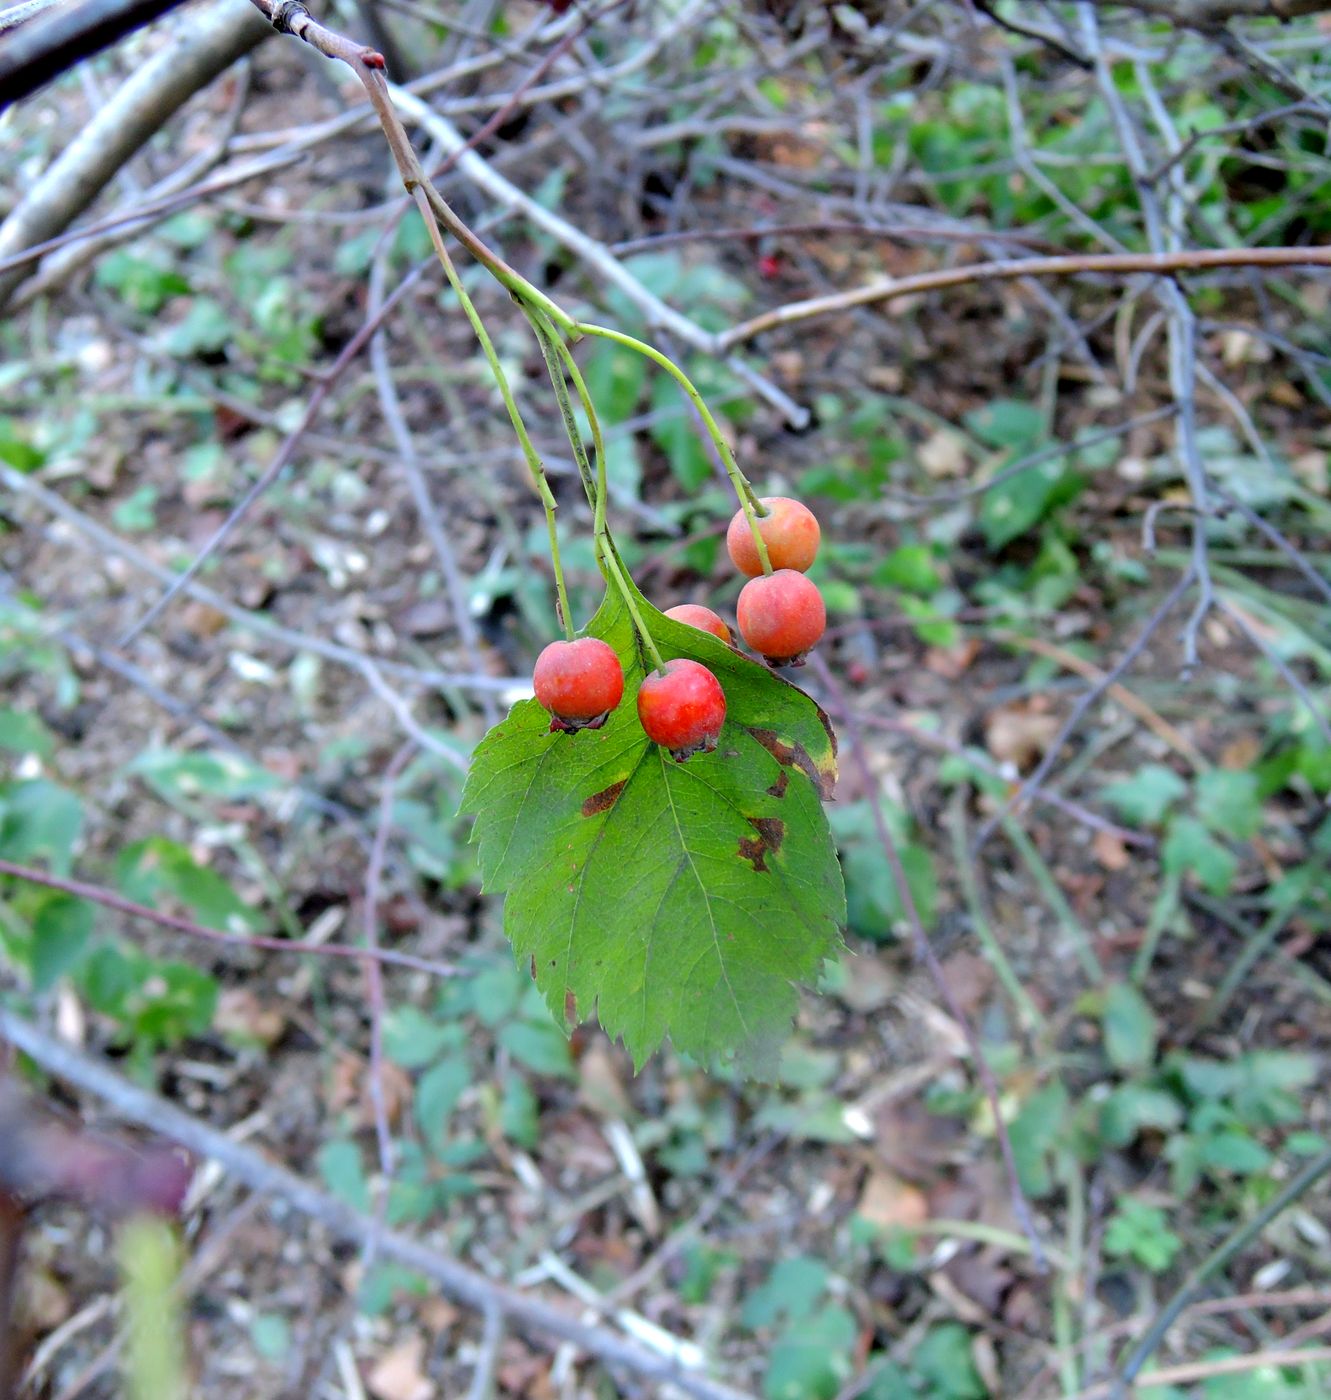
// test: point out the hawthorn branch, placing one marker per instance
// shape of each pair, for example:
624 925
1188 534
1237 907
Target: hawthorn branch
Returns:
457 1281
1012 269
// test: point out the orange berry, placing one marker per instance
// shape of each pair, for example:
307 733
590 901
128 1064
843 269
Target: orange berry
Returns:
579 682
781 616
789 530
682 708
704 619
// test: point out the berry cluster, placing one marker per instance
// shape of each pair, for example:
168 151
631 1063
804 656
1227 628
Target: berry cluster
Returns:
681 705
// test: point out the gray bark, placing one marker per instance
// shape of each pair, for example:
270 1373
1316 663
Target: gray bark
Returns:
206 45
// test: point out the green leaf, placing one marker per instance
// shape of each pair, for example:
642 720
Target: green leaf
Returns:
39 819
1036 1132
1233 1151
22 732
1228 802
1132 1107
680 899
437 1096
944 1363
911 567
791 1289
675 433
148 869
188 775
811 1359
874 904
340 1166
541 1047
1130 1028
412 1039
1190 847
1141 1232
1008 423
1145 797
60 932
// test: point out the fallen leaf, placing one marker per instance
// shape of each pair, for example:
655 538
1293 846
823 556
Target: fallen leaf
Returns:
970 979
1109 850
397 1375
869 983
890 1202
242 1015
943 454
952 662
1019 734
1241 753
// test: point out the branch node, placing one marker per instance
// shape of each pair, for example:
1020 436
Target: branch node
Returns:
285 13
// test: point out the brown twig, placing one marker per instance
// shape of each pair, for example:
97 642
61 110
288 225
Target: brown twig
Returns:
464 1285
1011 269
109 899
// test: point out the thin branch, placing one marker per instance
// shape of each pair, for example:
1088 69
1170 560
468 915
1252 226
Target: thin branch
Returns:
457 1281
1249 1230
109 899
107 540
364 334
48 45
1087 698
1010 269
1211 14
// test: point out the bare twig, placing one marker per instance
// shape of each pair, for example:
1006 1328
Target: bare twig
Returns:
1084 702
109 899
1211 14
457 1281
1294 1190
156 91
107 540
364 334
1010 269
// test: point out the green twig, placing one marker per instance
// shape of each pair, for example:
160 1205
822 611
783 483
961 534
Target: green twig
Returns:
611 564
1299 1186
155 1356
1164 909
749 503
1054 897
533 458
984 932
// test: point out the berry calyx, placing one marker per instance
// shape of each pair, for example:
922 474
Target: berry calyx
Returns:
579 683
682 708
781 616
704 619
789 530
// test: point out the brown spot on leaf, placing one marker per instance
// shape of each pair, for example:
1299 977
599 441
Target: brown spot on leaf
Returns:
602 801
797 756
771 832
778 788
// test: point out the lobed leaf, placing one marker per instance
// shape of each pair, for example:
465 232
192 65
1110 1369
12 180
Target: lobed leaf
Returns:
685 900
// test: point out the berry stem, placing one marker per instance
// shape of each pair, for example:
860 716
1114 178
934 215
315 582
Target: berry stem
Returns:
555 351
533 458
749 503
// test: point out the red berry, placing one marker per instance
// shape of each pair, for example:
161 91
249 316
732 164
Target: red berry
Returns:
781 616
704 619
578 682
682 708
789 530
